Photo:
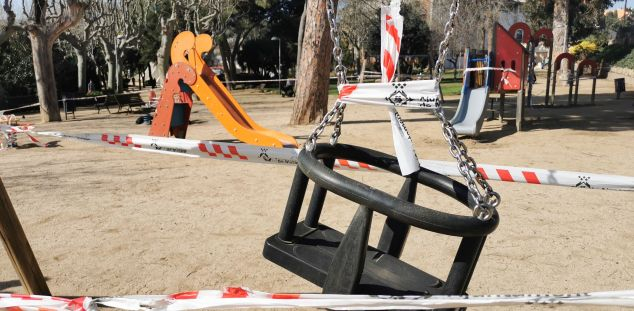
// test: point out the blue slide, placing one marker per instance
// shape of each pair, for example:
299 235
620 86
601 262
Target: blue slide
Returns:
473 97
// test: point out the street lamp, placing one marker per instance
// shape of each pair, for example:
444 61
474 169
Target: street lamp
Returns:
117 73
279 62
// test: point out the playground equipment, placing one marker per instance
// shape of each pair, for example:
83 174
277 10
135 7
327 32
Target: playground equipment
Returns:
575 76
570 63
474 95
188 75
354 267
10 130
345 263
510 53
581 69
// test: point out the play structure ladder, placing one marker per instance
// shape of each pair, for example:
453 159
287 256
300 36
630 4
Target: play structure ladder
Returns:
189 74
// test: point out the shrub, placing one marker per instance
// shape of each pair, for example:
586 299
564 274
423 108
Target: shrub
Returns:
627 61
584 48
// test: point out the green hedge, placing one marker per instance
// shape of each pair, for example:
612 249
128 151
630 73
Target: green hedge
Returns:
613 53
627 61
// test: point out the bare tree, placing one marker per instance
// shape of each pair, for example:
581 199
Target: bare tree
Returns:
45 21
168 27
7 28
311 100
82 37
120 30
473 27
203 16
358 18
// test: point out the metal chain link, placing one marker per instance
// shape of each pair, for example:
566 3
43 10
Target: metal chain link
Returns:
485 204
341 72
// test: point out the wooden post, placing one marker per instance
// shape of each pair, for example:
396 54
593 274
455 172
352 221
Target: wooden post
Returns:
552 102
576 89
549 73
571 82
519 111
18 248
594 88
531 73
502 99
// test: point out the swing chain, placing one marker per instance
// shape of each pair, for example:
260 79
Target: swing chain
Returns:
485 204
337 51
336 110
340 70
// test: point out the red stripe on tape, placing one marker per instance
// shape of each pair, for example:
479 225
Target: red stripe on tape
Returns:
235 292
365 166
347 90
104 137
285 296
25 297
203 148
218 149
234 151
505 175
531 178
346 164
184 295
483 173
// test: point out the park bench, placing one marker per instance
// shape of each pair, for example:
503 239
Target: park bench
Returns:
70 105
130 100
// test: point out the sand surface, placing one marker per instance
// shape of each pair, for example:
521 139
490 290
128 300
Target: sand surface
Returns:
107 221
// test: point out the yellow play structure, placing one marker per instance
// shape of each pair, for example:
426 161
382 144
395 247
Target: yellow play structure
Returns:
189 74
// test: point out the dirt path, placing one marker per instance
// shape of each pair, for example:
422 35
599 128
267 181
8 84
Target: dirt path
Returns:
104 221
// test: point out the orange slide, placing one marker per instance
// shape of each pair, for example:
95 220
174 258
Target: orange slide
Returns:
174 106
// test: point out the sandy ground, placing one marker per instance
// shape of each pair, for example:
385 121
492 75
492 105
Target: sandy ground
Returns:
105 221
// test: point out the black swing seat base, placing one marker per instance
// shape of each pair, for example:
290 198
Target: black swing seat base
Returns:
344 263
312 251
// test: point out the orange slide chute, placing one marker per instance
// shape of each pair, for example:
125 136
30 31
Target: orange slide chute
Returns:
174 106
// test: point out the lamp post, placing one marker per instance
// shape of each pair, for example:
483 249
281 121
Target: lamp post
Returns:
117 65
279 62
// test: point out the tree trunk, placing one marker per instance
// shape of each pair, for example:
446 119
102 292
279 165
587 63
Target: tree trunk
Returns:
82 69
42 50
163 53
225 54
117 72
560 26
300 39
363 62
311 100
110 60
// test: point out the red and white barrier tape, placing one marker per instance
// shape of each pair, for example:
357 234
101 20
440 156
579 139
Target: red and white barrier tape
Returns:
238 297
10 134
249 153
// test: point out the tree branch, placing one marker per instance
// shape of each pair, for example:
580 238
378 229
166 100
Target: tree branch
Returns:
10 27
70 15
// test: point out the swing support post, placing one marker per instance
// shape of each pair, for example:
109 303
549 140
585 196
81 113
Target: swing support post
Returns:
18 248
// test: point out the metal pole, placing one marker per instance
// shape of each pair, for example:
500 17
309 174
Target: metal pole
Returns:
279 65
594 88
116 65
548 74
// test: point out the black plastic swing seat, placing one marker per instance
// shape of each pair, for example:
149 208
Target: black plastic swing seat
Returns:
312 252
345 263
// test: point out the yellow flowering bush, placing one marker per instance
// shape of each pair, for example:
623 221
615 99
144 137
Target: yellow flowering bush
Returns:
584 48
